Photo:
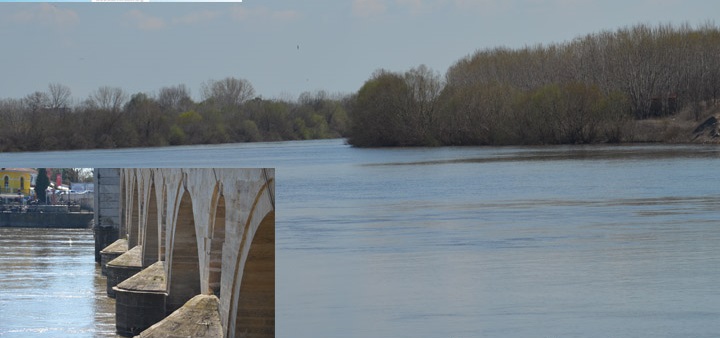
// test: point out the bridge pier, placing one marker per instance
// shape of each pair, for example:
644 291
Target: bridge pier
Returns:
202 250
198 317
140 300
122 268
107 218
111 252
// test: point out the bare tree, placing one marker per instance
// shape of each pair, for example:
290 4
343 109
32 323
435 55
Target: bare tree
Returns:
108 99
15 124
228 92
59 96
314 100
147 118
424 87
36 101
175 99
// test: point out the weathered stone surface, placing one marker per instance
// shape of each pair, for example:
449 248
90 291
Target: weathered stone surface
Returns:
106 221
109 212
140 300
122 268
130 258
110 198
107 209
111 180
111 252
199 318
151 279
119 246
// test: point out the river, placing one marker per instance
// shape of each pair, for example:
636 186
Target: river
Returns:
564 241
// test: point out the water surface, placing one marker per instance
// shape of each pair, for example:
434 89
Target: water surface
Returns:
50 285
594 241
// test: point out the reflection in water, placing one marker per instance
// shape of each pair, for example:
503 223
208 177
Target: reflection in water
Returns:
579 153
50 285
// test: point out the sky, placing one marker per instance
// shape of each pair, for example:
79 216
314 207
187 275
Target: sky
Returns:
284 47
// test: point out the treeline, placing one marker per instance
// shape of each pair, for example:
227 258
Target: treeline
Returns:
595 88
603 87
111 118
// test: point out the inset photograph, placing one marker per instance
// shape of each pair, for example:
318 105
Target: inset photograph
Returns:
177 252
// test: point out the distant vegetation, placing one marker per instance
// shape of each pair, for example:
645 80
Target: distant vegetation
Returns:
636 84
110 118
604 87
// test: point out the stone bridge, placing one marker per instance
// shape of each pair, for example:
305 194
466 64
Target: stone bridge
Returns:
188 252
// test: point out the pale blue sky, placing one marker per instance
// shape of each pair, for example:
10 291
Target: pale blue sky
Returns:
145 46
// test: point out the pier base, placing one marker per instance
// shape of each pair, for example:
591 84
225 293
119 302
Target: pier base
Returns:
199 317
111 252
123 267
140 300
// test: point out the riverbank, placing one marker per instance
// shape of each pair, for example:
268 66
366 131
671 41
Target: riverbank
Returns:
700 125
680 129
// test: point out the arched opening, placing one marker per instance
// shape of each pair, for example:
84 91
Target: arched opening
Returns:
256 301
163 222
141 198
151 245
184 272
22 184
122 230
7 183
133 225
216 242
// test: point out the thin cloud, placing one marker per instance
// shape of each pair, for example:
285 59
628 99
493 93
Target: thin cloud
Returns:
288 15
371 8
663 2
563 3
47 14
368 8
196 17
242 13
415 6
145 21
488 5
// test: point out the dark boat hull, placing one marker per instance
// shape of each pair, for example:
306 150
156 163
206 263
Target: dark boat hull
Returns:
46 220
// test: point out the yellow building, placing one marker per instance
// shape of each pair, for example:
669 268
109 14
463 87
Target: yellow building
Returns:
14 180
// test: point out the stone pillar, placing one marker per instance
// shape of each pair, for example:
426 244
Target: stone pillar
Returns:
111 252
140 300
107 208
122 268
198 318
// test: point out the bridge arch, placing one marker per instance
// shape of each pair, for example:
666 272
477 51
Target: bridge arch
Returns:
133 218
217 240
252 299
163 218
151 242
255 309
183 277
122 233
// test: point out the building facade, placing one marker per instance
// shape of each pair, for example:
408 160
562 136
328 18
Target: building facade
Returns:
16 180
